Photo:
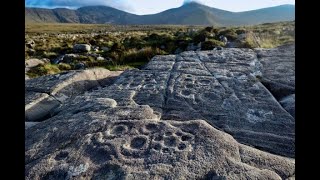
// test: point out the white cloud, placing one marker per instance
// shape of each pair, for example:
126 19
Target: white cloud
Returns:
119 4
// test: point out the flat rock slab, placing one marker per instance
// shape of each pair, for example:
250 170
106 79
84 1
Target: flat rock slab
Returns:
195 115
219 86
278 69
100 142
278 73
44 94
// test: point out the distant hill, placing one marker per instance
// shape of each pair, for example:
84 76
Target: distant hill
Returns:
188 14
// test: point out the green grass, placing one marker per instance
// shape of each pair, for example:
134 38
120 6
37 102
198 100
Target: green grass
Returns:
134 46
43 69
55 28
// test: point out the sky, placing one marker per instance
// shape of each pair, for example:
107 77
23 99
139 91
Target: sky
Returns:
155 6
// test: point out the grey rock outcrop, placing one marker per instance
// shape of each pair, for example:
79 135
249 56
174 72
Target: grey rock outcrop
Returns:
288 103
100 59
278 73
45 94
30 124
81 48
57 60
30 43
97 148
194 115
30 63
80 66
68 58
220 87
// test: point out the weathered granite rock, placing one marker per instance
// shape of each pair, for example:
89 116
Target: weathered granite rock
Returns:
100 59
195 115
100 138
33 63
288 103
278 70
80 66
81 48
39 106
46 93
57 60
30 43
220 87
30 124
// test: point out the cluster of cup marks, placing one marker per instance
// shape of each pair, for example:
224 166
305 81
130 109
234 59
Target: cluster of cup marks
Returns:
152 137
146 81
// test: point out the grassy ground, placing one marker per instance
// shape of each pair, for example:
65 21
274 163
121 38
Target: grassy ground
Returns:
54 28
134 46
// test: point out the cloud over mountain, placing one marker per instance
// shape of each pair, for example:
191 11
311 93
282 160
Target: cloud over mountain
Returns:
119 4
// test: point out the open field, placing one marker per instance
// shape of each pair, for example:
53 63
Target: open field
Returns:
54 28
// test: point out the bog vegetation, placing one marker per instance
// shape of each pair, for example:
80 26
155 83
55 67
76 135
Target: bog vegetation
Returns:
123 47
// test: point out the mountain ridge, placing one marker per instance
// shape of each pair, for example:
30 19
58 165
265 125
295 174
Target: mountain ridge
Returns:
187 14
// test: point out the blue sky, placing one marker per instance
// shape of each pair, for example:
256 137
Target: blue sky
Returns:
155 6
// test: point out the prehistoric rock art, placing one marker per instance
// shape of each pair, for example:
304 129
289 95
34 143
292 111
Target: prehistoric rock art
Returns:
195 115
93 145
218 86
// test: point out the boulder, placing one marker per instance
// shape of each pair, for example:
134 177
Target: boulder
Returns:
68 58
80 66
30 63
81 48
57 60
45 60
30 44
100 58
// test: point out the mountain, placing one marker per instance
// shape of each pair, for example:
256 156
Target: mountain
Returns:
188 14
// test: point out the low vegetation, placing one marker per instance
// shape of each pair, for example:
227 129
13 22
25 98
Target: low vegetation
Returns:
123 47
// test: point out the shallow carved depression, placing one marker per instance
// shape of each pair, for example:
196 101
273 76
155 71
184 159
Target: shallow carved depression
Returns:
120 129
170 141
138 142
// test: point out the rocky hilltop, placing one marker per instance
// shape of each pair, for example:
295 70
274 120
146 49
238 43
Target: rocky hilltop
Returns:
219 114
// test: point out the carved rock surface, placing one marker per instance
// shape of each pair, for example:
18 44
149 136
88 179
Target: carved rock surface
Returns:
195 115
44 94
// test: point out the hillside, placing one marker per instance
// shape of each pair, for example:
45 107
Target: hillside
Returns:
188 14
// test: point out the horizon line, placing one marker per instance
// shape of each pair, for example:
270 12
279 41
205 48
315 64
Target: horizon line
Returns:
76 8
